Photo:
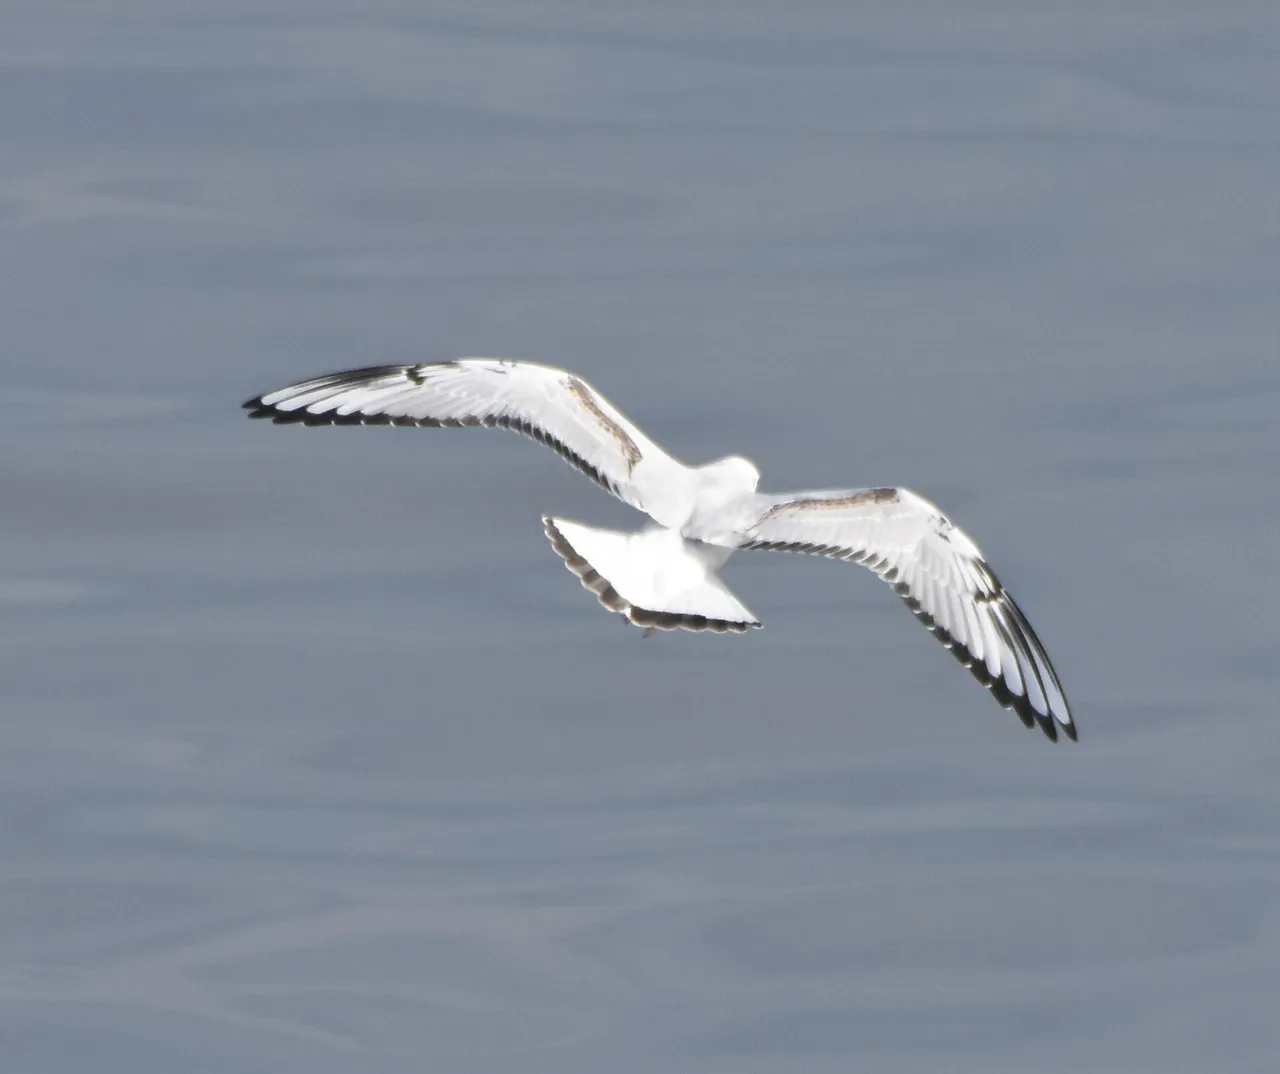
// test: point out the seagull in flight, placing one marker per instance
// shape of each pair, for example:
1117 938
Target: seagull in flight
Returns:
664 576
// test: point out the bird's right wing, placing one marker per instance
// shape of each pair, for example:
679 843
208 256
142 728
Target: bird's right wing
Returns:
939 572
549 405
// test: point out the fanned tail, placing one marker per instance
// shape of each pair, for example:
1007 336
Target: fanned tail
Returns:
655 577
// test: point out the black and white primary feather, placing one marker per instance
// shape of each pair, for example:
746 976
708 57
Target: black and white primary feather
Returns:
664 576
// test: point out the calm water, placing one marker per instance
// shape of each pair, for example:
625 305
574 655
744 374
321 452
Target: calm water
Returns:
316 759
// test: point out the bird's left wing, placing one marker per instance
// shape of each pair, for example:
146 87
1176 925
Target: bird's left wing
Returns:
941 575
549 405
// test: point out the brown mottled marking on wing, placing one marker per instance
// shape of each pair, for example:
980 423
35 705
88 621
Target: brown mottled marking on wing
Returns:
857 499
585 396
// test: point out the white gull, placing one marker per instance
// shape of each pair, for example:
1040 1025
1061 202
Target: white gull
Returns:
664 577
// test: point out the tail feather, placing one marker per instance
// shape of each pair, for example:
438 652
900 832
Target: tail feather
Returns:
655 577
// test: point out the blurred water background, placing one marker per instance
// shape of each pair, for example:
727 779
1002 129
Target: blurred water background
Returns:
314 756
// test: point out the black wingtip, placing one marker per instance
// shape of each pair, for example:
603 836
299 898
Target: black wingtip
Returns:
1021 704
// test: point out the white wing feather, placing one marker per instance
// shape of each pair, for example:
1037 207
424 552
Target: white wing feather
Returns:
552 406
939 572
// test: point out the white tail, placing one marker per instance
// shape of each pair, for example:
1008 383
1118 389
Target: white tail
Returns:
655 577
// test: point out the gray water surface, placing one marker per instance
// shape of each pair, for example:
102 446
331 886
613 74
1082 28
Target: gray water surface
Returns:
314 756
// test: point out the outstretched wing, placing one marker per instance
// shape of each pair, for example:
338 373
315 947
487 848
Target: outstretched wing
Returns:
549 405
942 576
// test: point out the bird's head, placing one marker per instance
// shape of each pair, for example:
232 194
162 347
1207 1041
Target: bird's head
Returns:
735 472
